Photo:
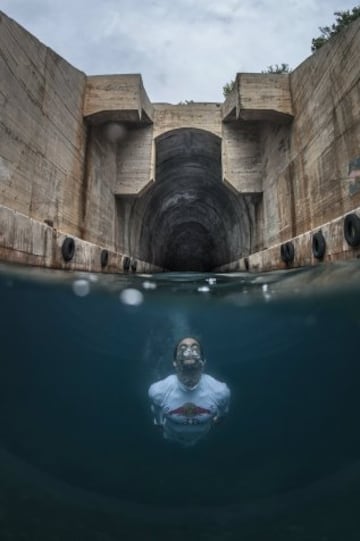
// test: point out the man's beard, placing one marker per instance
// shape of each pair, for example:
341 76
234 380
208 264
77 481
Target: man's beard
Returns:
190 376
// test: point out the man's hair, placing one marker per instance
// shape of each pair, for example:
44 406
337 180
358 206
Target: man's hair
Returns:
194 338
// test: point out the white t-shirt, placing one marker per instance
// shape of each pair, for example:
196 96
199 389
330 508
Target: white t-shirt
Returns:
186 415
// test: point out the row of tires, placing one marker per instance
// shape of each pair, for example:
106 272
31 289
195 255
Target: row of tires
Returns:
351 234
68 248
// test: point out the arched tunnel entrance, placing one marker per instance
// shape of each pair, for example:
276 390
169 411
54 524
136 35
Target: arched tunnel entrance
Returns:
189 220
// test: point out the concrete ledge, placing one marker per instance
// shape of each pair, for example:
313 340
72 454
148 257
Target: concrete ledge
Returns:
259 96
337 249
29 242
116 98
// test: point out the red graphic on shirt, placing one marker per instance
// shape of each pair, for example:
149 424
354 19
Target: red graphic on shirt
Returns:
189 410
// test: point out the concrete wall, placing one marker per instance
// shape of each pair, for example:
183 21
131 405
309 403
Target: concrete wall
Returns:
277 180
42 135
100 178
326 130
203 116
241 156
57 170
134 161
307 183
308 164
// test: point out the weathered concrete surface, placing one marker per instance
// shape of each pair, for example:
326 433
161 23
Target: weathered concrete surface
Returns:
99 202
41 130
134 161
202 116
336 249
52 167
242 156
258 96
277 184
309 184
116 98
27 241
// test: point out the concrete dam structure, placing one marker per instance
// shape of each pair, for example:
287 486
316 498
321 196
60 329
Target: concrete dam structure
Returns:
95 177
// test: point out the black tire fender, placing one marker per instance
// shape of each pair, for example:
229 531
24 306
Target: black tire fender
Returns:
352 229
126 263
287 252
104 258
318 245
68 249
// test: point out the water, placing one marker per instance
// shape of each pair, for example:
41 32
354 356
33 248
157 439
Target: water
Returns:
79 456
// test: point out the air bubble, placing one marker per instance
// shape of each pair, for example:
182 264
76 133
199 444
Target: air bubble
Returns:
81 288
149 285
132 297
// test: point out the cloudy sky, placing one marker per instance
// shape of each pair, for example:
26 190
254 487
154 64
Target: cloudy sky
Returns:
184 49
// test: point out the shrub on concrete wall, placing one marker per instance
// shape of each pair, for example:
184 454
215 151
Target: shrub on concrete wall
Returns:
343 19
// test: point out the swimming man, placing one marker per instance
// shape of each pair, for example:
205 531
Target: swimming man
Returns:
186 404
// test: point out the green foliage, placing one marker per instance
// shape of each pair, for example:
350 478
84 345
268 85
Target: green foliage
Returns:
278 68
228 88
343 19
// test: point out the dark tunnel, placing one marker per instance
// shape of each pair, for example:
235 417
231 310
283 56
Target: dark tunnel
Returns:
189 220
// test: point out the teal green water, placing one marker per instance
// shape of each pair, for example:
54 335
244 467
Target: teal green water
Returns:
80 458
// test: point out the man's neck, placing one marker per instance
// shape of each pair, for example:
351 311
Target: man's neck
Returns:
188 385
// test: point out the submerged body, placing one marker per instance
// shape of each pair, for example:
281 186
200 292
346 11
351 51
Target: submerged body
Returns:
187 414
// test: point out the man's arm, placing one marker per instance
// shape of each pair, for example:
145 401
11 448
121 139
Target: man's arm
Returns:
156 404
223 402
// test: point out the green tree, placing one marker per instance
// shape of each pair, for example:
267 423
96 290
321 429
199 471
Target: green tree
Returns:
343 19
278 68
228 88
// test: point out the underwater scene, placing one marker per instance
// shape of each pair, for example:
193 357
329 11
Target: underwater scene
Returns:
85 454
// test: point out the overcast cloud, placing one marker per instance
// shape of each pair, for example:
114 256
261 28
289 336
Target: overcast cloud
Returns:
184 49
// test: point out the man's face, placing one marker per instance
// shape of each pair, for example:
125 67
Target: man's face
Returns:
189 363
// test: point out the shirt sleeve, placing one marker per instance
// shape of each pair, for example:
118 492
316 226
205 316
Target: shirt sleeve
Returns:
155 397
223 400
